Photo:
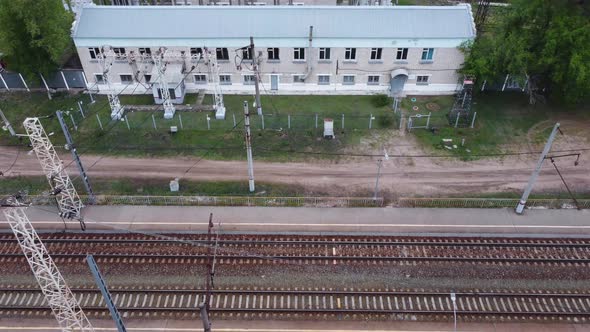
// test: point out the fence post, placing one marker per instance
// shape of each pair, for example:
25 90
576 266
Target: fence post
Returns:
370 120
473 120
457 120
262 118
289 121
64 78
99 122
46 86
73 122
81 110
180 120
342 120
233 115
428 119
127 122
154 122
401 120
208 122
25 83
3 81
316 121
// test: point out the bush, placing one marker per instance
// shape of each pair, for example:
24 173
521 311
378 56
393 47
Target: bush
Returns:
385 121
380 100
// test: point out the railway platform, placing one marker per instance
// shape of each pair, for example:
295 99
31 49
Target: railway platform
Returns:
104 325
369 221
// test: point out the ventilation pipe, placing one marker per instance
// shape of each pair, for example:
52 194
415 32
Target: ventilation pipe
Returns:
309 53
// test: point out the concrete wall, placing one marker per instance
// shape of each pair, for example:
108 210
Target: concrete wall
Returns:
441 71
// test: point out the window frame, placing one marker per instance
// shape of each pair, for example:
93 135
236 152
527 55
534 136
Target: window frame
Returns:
299 54
147 78
350 53
120 51
426 82
300 81
376 54
195 51
401 54
222 82
324 54
427 54
372 81
94 52
101 80
320 82
144 51
126 82
273 53
223 52
247 55
251 79
199 81
352 82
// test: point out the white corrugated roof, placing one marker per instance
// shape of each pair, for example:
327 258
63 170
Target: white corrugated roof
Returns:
174 23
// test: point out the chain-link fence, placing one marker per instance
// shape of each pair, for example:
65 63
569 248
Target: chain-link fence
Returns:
556 203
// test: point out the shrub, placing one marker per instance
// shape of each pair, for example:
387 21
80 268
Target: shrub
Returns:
380 100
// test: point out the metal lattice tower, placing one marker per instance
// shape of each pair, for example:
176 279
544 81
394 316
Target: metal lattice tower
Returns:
160 64
68 201
105 59
58 295
461 111
214 69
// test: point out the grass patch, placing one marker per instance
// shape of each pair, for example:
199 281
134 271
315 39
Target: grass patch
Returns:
159 187
502 123
195 138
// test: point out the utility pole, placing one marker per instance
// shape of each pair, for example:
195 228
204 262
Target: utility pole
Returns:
105 293
68 201
256 75
58 296
380 163
249 148
72 147
7 124
535 174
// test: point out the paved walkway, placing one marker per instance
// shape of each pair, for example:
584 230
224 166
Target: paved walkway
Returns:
567 222
194 325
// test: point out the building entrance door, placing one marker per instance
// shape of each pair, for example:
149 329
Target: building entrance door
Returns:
274 82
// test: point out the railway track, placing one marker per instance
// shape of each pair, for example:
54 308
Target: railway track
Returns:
260 249
388 304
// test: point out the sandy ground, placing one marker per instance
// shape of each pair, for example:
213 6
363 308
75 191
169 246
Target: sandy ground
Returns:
403 176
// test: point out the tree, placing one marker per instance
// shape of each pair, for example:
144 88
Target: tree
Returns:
546 42
34 34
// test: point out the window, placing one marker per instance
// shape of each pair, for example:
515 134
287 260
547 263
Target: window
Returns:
299 53
246 54
273 53
324 53
298 79
423 80
126 78
147 78
323 79
427 54
350 54
94 52
373 80
225 79
99 78
402 54
195 51
376 53
119 51
145 51
200 79
348 80
222 54
249 79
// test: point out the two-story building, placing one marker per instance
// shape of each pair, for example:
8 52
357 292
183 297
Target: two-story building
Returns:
299 49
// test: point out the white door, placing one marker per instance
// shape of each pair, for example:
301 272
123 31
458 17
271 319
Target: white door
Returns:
274 82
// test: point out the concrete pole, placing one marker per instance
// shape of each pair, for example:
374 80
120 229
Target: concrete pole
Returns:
473 120
46 86
256 74
81 109
535 174
180 121
127 122
4 82
99 122
342 120
25 83
289 121
64 78
73 121
154 122
377 179
249 148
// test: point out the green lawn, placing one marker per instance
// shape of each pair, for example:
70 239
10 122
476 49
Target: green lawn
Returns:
501 125
194 137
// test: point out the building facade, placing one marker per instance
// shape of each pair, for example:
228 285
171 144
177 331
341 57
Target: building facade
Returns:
299 50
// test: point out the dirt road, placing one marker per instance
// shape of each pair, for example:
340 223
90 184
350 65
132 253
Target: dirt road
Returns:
399 176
